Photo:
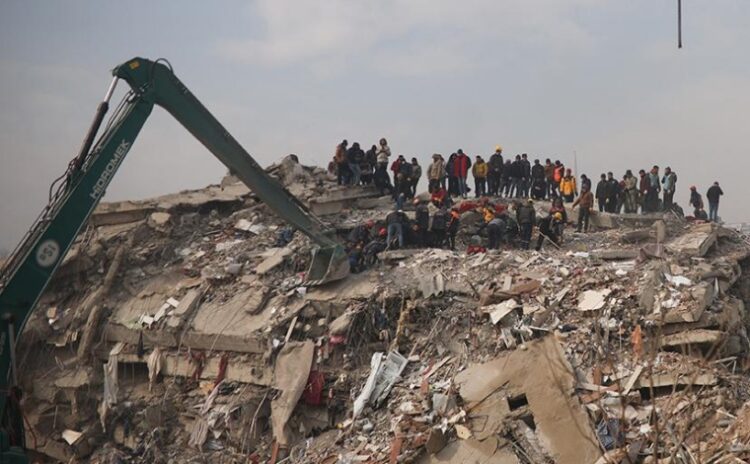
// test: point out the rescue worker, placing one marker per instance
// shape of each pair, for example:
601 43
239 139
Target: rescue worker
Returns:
558 207
439 197
695 198
586 201
525 176
643 188
668 186
601 192
416 174
496 231
713 195
631 192
613 193
451 175
421 222
435 172
585 181
505 179
526 218
568 188
395 222
439 227
360 235
480 171
549 176
375 246
654 187
557 176
548 229
516 171
538 181
342 168
355 156
495 165
383 154
368 165
461 166
475 246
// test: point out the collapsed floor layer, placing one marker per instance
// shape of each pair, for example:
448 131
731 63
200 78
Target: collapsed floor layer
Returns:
178 330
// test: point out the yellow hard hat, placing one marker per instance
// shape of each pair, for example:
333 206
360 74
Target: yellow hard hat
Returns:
498 148
558 216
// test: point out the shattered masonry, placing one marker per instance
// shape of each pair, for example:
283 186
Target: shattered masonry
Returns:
177 330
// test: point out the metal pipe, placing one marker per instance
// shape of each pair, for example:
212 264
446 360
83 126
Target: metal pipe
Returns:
679 23
101 110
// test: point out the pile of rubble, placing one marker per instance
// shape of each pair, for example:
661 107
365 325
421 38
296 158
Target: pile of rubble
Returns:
179 330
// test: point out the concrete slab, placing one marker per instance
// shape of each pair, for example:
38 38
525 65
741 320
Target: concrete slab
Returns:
544 376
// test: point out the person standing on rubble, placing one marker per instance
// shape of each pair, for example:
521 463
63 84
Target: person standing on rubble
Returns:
568 188
549 176
585 181
601 193
695 198
461 166
342 168
382 181
548 229
505 180
558 175
713 195
383 154
495 171
451 175
538 180
654 187
643 187
369 164
516 171
586 201
416 174
435 173
525 175
631 192
668 186
613 193
421 222
479 171
526 218
395 222
355 156
439 227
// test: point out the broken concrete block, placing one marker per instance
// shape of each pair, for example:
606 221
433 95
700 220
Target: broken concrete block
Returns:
273 261
694 337
159 220
543 378
697 242
591 300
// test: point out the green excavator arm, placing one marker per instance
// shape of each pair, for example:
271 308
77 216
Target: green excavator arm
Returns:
31 266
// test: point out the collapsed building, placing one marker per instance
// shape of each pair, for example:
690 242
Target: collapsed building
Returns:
179 329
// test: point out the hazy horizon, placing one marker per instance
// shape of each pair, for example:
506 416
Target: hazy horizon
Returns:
599 78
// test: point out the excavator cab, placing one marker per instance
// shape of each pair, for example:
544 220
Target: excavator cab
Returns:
328 264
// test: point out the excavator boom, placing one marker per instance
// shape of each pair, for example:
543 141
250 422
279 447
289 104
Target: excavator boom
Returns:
30 268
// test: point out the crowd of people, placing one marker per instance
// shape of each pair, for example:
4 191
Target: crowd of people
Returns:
519 181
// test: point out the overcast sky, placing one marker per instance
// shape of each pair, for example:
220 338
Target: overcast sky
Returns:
601 78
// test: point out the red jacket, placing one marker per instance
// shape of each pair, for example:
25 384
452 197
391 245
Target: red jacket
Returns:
461 165
396 166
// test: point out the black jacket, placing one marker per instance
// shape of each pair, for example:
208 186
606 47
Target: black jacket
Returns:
526 214
395 217
713 194
601 190
525 169
422 217
537 171
496 163
516 169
